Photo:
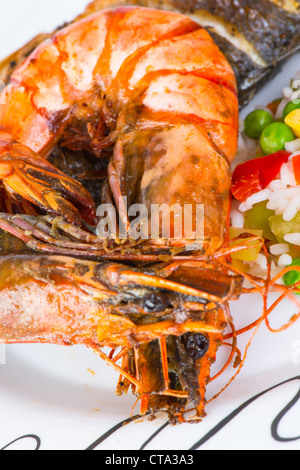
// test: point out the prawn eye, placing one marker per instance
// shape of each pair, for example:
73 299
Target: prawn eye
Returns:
155 302
196 345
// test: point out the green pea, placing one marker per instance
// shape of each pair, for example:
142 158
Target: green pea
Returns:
256 122
289 108
275 136
292 277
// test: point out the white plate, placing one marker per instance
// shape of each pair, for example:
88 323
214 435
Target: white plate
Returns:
57 398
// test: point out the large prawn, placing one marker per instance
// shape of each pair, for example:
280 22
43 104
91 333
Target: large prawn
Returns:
151 95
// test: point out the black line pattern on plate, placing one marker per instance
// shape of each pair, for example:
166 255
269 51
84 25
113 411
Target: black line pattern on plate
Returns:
274 427
231 416
33 437
110 432
154 435
277 420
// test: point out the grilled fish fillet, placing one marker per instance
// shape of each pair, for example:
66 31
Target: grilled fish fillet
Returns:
256 36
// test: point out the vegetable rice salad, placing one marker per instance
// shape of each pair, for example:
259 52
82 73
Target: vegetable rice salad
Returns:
266 185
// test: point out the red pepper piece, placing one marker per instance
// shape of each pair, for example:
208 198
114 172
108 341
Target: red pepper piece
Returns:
255 175
296 166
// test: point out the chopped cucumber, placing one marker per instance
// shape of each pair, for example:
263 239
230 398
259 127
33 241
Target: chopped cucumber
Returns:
258 219
280 227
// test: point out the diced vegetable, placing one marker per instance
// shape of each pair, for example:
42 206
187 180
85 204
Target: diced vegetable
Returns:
256 122
280 227
273 107
257 219
296 167
251 253
294 251
293 121
275 136
289 108
255 175
245 184
240 265
293 277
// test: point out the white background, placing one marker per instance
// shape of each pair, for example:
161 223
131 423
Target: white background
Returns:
66 396
21 20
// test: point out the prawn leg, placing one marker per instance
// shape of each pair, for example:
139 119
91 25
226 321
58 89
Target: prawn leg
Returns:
67 301
27 176
53 235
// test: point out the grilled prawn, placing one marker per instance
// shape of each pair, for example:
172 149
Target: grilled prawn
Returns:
128 78
151 96
256 37
163 332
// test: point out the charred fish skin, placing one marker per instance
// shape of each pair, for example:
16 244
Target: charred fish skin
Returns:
266 35
267 27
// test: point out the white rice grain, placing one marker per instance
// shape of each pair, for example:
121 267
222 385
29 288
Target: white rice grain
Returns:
281 206
237 219
245 206
289 192
281 199
276 184
292 209
255 199
262 261
285 174
293 238
288 92
293 146
260 196
284 260
285 193
279 249
280 109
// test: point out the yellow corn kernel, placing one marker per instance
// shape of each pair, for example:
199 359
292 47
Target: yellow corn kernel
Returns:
293 121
